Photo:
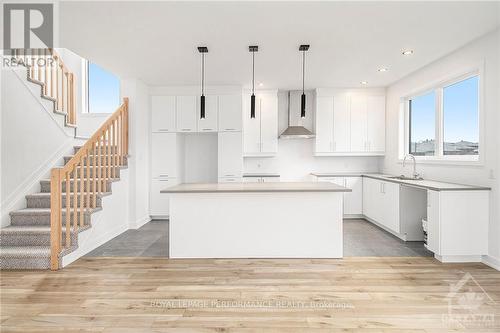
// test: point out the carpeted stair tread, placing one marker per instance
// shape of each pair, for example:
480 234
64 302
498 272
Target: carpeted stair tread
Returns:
47 194
25 251
41 211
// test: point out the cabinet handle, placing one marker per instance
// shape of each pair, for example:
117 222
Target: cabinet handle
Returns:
229 129
185 129
162 175
207 129
229 175
163 130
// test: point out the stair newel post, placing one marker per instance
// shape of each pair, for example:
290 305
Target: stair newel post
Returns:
80 168
125 101
87 187
120 137
108 152
55 217
98 170
81 193
94 174
68 207
112 152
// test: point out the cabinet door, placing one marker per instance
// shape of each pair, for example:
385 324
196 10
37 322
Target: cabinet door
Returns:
353 201
252 179
324 124
186 113
163 155
433 222
341 124
209 124
269 123
251 128
359 124
371 197
390 206
230 113
163 113
230 154
159 202
376 123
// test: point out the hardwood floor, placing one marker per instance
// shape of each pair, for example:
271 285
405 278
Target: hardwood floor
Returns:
160 295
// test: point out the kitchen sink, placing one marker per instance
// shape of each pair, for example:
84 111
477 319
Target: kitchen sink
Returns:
405 178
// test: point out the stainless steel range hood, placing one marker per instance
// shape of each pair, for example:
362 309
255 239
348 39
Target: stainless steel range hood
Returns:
295 130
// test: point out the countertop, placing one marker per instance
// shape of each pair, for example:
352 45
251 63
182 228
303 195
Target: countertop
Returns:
252 174
425 184
256 187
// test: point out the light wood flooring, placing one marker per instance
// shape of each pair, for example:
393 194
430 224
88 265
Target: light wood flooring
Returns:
359 294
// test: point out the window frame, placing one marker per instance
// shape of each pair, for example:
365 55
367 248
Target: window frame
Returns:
87 92
438 88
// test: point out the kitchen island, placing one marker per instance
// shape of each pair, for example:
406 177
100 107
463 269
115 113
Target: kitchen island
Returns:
256 220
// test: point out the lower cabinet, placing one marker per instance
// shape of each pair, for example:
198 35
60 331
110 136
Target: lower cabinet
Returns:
353 201
159 202
261 179
381 203
230 179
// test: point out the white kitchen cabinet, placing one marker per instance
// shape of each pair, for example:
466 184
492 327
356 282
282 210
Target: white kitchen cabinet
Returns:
209 123
230 179
457 224
341 124
230 113
266 179
163 155
359 123
353 201
159 202
260 134
381 203
324 124
230 155
376 124
433 222
187 114
163 118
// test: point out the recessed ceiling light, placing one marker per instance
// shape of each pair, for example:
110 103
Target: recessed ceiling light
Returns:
364 82
407 52
261 84
383 69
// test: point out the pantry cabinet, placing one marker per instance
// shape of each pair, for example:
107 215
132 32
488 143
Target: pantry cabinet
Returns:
260 134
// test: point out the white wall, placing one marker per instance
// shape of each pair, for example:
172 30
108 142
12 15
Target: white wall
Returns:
139 150
34 140
482 51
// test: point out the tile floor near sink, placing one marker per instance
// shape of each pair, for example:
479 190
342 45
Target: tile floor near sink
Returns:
361 239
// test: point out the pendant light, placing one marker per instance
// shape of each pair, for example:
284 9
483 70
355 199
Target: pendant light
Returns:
202 50
253 49
303 48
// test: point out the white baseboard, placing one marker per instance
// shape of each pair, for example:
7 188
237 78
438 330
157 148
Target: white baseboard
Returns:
139 223
459 258
491 261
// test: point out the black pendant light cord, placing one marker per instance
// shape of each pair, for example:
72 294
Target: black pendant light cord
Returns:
303 69
202 74
253 72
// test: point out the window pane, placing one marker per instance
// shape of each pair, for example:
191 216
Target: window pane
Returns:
422 125
460 118
103 90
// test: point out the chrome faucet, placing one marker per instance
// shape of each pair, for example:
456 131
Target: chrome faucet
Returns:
415 173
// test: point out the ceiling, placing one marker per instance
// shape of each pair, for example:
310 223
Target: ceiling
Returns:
156 41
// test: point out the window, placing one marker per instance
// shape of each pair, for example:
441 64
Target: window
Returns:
422 125
443 123
103 90
460 118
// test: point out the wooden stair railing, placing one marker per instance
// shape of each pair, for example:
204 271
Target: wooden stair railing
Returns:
46 67
89 170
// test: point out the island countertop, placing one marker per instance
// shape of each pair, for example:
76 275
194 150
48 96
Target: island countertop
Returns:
255 187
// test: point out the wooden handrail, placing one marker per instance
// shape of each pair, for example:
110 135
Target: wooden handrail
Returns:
46 67
83 179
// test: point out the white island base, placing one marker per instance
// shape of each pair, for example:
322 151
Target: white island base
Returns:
244 224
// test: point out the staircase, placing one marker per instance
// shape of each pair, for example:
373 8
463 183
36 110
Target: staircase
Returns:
47 229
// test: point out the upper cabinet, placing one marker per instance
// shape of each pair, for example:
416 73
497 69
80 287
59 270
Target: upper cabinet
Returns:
209 123
260 134
163 114
350 125
186 113
183 113
230 113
